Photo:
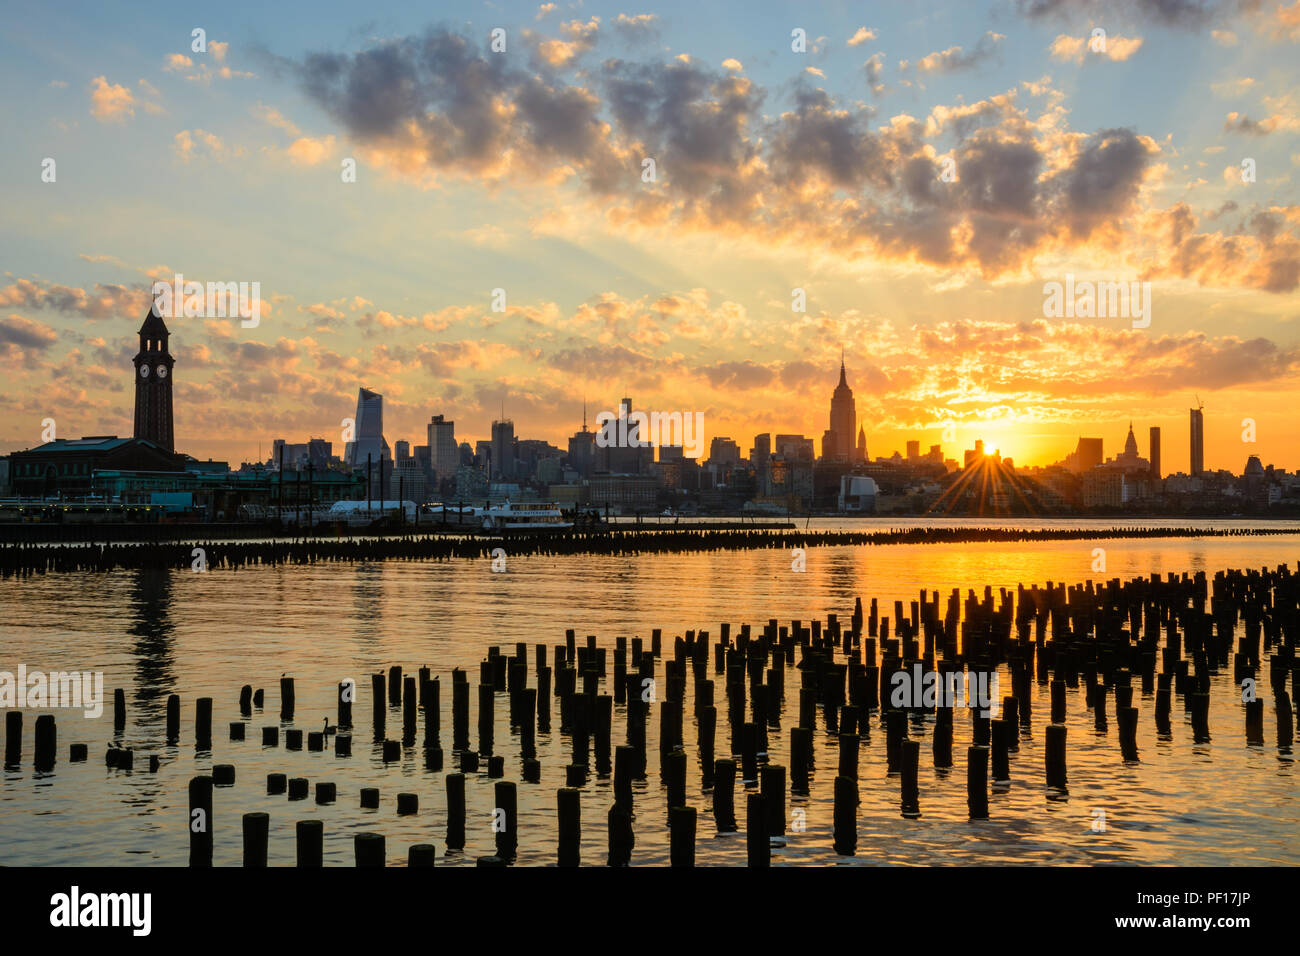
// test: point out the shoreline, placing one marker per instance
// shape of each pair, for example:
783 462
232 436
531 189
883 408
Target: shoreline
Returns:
200 554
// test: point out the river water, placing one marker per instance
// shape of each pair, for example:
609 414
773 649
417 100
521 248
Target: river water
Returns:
206 634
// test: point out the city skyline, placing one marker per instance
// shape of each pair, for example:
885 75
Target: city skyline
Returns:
822 185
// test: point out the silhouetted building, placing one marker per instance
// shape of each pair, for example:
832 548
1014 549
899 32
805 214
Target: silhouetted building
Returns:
1155 453
1198 442
368 430
153 384
444 455
503 450
837 444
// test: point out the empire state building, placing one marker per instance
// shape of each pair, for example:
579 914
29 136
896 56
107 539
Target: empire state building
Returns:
837 444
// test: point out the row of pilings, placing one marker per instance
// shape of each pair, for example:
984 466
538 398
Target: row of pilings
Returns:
24 560
1156 641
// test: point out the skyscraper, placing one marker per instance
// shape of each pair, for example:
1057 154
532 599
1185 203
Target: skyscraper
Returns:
844 421
582 448
1198 441
444 454
369 431
153 383
1155 452
503 450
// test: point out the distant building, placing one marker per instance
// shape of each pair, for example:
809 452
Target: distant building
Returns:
406 483
913 450
402 448
857 494
1155 452
153 384
793 447
837 443
623 494
503 450
1198 442
1086 455
66 467
723 451
369 431
582 452
444 455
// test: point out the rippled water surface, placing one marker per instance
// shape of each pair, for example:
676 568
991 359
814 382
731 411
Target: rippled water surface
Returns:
206 634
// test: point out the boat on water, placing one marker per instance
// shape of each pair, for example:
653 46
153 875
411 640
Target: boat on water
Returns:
523 516
362 514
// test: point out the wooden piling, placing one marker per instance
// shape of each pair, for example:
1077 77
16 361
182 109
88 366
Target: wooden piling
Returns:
310 836
569 811
773 792
845 816
173 718
758 847
910 788
200 821
46 743
369 849
681 821
455 811
1056 776
286 698
256 831
507 829
977 782
421 855
13 738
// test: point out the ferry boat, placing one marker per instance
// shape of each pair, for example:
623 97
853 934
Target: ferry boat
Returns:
523 516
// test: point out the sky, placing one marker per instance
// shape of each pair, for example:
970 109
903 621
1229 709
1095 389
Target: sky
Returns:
917 174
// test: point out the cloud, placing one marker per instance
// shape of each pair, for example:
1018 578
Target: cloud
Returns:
874 67
955 59
1224 37
862 36
191 143
1241 123
26 333
643 26
1185 14
273 117
822 174
1233 87
1072 49
104 301
110 103
306 151
177 63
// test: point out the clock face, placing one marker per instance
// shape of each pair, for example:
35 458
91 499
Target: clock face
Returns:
144 371
162 371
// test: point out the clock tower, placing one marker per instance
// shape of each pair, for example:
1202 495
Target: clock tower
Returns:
153 383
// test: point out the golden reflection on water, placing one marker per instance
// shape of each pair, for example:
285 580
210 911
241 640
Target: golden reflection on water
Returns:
207 634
